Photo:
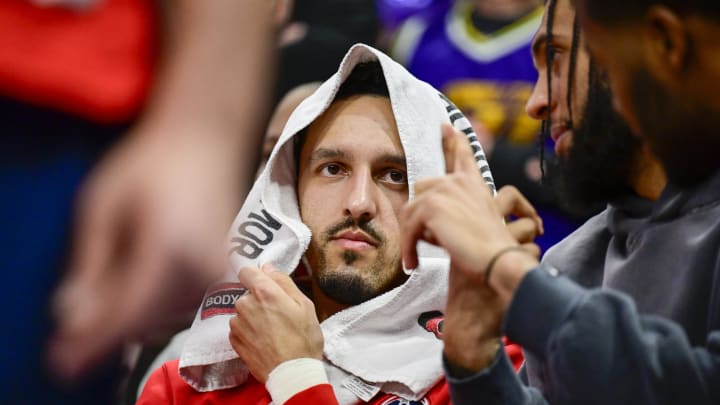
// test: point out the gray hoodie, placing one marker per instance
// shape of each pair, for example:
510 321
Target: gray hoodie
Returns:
593 346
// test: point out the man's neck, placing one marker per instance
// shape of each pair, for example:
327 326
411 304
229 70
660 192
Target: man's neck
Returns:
649 180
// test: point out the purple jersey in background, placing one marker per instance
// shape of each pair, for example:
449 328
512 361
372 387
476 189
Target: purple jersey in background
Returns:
488 76
485 67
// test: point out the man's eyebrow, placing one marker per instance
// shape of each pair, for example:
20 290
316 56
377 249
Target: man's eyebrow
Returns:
325 153
391 158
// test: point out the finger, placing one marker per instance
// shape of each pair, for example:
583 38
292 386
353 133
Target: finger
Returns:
238 327
268 268
459 156
523 230
532 249
237 335
413 228
82 297
252 278
287 285
424 185
448 144
76 346
510 201
259 284
125 306
92 250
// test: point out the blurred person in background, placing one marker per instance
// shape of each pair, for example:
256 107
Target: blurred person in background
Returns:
317 36
280 115
144 120
478 53
154 356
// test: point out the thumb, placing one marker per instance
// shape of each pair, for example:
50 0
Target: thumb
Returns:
286 283
253 278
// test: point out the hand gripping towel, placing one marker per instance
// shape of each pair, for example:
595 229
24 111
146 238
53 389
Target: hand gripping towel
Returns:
379 344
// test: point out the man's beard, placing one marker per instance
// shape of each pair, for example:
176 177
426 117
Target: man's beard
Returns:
350 286
684 134
599 166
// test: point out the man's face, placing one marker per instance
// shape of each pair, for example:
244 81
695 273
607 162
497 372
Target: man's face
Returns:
352 183
680 129
597 152
557 110
603 162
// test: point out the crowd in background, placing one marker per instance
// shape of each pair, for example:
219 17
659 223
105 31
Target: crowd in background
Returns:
113 111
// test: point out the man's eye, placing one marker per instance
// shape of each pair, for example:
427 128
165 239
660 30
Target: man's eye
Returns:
552 53
331 170
395 176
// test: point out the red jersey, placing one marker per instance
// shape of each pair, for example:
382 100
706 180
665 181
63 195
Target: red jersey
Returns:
96 62
165 386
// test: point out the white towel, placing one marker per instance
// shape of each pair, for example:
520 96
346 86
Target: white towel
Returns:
378 344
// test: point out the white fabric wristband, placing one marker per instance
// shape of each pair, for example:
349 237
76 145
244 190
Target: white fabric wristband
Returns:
294 376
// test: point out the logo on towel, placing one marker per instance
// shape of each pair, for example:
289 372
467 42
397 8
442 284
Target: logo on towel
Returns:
220 299
432 322
254 234
396 400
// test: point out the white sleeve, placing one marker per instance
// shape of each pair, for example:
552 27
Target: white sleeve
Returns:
294 376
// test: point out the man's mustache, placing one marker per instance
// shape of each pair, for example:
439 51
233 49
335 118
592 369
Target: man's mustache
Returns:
350 223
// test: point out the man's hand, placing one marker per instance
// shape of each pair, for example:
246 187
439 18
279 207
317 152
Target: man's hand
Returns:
523 222
275 322
149 237
471 330
458 212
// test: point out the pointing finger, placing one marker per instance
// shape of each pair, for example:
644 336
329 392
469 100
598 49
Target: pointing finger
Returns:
459 157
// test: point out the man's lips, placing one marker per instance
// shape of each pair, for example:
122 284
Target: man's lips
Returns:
557 132
354 240
561 136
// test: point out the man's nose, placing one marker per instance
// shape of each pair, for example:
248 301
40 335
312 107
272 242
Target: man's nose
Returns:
538 107
361 197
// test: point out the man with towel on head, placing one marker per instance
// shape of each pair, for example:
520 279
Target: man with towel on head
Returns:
329 198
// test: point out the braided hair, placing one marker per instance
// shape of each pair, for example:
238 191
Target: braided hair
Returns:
549 56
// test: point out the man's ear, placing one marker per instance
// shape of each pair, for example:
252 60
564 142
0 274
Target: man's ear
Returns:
667 42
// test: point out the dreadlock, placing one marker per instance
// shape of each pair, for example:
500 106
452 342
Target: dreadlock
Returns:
549 55
573 62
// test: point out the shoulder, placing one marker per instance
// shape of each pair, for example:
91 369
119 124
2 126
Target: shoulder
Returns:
582 253
166 386
159 387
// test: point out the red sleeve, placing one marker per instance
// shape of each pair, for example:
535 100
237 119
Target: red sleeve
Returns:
514 353
317 394
158 388
165 386
438 395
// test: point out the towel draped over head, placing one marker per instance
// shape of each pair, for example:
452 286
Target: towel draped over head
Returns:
382 343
